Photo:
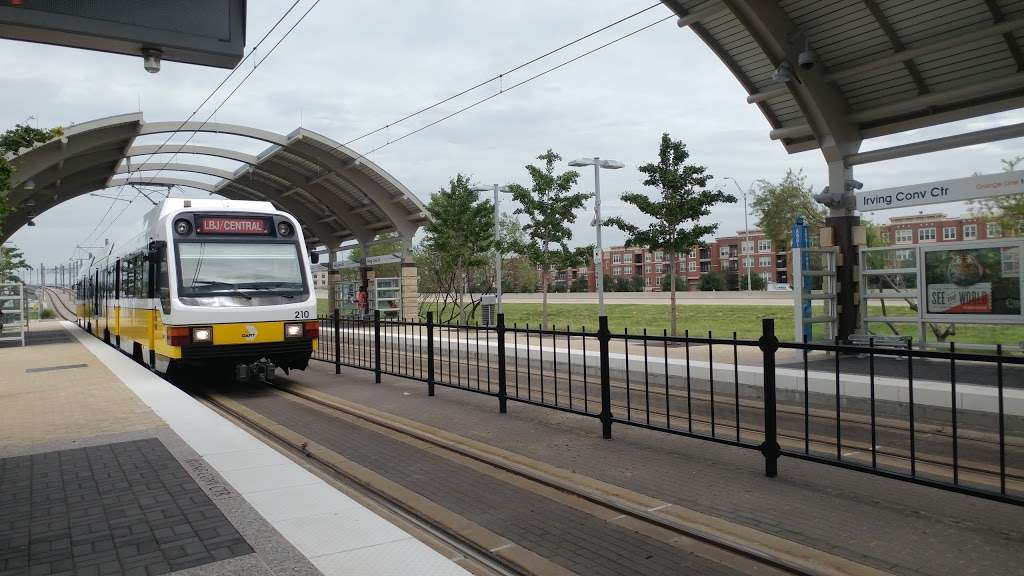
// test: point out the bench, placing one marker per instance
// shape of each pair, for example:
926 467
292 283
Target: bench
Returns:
880 341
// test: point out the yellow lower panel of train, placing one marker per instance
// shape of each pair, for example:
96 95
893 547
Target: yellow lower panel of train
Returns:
248 333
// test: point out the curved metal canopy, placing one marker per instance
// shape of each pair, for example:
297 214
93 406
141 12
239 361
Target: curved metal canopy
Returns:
882 66
336 194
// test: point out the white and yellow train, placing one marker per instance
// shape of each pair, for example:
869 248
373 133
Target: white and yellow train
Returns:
206 283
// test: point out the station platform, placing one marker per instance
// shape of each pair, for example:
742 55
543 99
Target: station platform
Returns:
106 468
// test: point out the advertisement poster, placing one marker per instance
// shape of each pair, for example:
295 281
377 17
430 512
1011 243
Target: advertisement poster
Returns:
984 281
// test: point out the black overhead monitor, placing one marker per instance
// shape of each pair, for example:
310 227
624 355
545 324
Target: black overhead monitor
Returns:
204 32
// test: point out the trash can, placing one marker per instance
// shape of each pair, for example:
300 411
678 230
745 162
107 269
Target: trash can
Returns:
489 310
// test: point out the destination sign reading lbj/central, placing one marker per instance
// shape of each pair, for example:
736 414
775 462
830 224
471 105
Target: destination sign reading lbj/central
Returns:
229 225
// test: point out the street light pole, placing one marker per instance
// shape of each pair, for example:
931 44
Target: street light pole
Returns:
497 231
497 249
599 251
746 230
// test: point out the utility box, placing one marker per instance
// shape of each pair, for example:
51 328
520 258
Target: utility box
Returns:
489 310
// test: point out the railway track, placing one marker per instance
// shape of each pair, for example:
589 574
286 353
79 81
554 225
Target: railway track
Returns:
709 542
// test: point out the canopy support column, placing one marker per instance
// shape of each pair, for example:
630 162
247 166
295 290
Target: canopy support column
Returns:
333 278
410 282
842 220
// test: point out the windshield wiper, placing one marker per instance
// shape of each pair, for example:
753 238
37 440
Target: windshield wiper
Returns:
273 287
230 287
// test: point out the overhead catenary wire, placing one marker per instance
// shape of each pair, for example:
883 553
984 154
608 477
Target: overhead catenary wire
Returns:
499 77
513 87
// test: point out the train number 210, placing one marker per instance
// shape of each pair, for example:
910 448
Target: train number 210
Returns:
302 313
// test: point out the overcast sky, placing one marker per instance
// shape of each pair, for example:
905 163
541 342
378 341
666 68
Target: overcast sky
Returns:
352 66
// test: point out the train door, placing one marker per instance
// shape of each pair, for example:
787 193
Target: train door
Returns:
117 302
151 261
95 302
107 312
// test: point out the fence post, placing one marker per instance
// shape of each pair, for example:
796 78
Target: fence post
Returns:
336 318
430 353
376 346
502 388
769 345
603 337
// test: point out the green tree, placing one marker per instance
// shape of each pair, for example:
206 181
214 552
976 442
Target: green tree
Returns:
518 275
676 216
1007 210
550 207
873 235
459 241
11 142
711 281
666 282
636 284
777 206
11 261
756 282
579 284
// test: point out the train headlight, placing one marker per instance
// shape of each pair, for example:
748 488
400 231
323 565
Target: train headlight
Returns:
293 330
182 227
202 334
284 229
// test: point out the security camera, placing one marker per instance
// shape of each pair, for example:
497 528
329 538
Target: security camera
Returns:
807 59
855 184
151 60
783 73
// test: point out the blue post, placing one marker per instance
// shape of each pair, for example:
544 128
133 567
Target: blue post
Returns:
802 239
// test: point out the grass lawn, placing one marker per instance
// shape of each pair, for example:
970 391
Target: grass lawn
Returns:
722 320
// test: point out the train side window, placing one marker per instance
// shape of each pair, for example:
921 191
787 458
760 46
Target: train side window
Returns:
163 285
144 278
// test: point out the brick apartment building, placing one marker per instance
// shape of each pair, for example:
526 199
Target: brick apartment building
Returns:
937 227
726 254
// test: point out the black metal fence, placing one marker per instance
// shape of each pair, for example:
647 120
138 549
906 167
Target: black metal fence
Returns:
864 408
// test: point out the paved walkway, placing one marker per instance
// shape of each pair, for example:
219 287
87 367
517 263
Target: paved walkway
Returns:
887 524
107 469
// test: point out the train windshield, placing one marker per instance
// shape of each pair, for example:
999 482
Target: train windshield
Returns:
242 269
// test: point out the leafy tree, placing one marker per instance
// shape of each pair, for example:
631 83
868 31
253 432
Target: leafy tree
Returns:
518 275
873 235
666 282
732 280
777 206
459 241
1007 210
756 282
11 142
636 284
711 281
550 207
580 284
676 216
11 261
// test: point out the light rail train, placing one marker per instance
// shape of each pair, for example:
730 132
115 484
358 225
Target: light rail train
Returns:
206 283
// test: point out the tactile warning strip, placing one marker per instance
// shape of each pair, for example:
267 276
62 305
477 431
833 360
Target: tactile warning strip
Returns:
128 507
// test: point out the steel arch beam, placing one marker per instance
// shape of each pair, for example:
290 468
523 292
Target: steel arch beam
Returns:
77 139
226 153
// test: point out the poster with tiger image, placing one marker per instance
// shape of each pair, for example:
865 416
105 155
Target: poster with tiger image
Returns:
973 281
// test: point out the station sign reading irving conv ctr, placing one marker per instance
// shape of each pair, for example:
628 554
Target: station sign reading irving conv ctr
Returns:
955 190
